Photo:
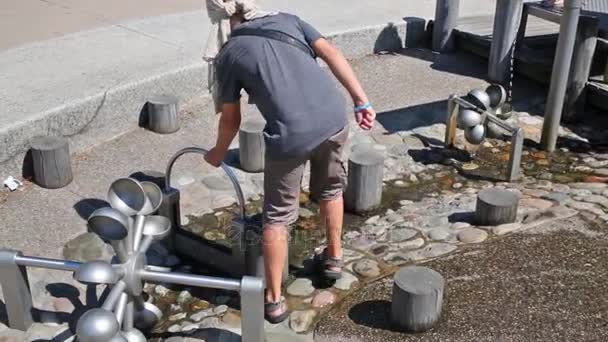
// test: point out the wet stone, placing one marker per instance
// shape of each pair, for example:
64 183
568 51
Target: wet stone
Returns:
199 316
379 250
597 188
301 321
394 218
306 213
188 326
558 197
409 245
346 282
174 328
221 309
580 192
472 235
374 231
184 297
362 243
440 234
177 317
301 287
210 323
323 299
597 199
372 220
535 193
402 234
367 268
460 225
506 228
231 319
601 172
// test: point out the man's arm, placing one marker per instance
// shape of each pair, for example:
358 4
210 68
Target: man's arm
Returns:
345 74
230 121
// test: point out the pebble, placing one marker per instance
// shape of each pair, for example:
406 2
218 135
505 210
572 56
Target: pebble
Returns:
405 203
374 231
440 234
543 184
379 250
457 185
161 290
601 172
209 323
301 287
409 245
231 319
394 218
546 176
472 235
535 203
346 282
437 221
372 220
199 316
593 187
362 243
323 299
351 235
535 192
199 305
413 179
558 197
367 268
184 297
402 234
460 225
580 192
189 326
506 228
597 199
300 321
306 213
400 184
221 309
174 328
177 317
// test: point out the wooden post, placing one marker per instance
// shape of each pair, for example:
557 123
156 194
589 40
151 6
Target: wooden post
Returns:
506 21
162 114
446 20
496 207
365 175
252 147
584 49
51 160
417 298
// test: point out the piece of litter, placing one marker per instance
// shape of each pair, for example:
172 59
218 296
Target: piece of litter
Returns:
12 184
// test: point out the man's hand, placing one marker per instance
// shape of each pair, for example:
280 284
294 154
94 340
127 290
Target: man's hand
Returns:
365 118
215 157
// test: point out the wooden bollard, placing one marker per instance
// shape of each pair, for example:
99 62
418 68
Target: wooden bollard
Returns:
506 21
496 207
251 145
162 114
365 175
446 19
51 162
417 298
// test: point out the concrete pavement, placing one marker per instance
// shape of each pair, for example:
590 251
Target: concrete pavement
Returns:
90 85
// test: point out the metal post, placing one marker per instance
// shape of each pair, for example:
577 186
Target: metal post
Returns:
517 146
52 264
446 20
16 290
252 309
190 280
450 125
559 76
170 209
506 21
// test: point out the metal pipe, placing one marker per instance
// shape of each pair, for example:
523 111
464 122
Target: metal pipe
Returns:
559 76
138 232
500 123
120 250
145 244
128 320
233 179
117 290
53 264
190 280
119 311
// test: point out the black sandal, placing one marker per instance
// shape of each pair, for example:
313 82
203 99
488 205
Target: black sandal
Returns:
276 313
331 268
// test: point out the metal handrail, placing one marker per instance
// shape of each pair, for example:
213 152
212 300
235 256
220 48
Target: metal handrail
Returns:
226 168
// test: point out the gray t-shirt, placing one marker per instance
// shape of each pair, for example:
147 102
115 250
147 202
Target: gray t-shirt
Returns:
299 100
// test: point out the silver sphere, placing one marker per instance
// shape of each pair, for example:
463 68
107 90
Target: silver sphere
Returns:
468 118
147 318
110 224
475 135
154 198
134 335
479 98
97 325
158 227
127 196
96 272
498 95
118 338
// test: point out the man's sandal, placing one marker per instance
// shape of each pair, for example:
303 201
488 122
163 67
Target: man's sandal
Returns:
276 312
331 268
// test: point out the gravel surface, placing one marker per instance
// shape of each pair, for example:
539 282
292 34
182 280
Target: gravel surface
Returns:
550 286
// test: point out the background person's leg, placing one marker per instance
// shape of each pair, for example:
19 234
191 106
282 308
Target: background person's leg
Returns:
332 214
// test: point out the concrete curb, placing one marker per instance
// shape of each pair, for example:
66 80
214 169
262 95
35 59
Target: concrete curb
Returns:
101 117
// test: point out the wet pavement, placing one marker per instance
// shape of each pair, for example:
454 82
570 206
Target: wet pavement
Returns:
548 286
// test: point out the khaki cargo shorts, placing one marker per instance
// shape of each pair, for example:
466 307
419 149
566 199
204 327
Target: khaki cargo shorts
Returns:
283 180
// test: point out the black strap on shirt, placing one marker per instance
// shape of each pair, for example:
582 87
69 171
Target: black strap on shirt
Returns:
275 35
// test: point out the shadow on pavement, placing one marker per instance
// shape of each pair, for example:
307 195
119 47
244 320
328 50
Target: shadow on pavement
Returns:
211 335
87 206
409 118
373 314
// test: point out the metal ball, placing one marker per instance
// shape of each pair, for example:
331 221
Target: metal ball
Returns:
134 335
475 135
498 95
157 226
127 195
109 223
118 338
154 198
148 317
468 118
479 98
97 325
96 272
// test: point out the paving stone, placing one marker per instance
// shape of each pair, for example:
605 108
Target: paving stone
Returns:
323 299
87 247
402 234
39 331
372 220
301 321
210 322
379 250
199 316
556 213
223 201
346 282
460 225
597 199
538 193
440 234
580 192
433 250
601 172
506 228
306 213
596 188
220 309
367 268
175 328
220 183
63 304
374 231
584 206
409 245
535 203
301 287
558 197
472 235
394 218
362 243
542 184
188 326
405 203
560 188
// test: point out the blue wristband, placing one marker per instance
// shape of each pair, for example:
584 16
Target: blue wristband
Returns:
363 107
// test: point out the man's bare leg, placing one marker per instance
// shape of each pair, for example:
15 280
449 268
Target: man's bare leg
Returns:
275 253
332 213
